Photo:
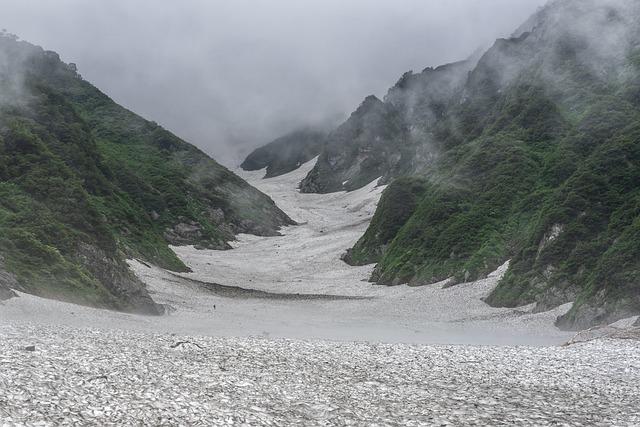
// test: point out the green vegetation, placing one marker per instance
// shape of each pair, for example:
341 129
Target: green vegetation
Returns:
85 184
500 196
396 206
538 161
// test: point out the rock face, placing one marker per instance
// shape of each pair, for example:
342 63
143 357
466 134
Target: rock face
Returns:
85 183
529 153
390 138
8 282
118 280
6 293
359 151
186 233
286 153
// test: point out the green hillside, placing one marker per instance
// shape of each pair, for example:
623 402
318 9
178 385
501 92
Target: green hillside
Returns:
85 183
535 158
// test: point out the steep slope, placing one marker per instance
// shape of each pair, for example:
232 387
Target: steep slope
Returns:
397 204
537 159
85 183
286 153
391 138
359 151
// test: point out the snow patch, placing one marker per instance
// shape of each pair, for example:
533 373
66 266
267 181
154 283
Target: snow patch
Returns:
306 260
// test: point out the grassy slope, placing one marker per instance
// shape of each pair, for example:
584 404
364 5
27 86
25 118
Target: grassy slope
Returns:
84 180
397 205
546 175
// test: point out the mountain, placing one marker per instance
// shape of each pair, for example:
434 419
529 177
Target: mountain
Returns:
529 153
85 184
387 139
286 153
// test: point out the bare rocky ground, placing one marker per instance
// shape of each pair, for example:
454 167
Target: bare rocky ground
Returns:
108 377
279 331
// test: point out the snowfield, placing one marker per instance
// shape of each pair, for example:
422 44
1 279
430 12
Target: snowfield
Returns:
279 331
293 272
109 377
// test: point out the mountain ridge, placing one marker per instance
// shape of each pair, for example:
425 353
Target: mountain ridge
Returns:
527 152
86 183
286 153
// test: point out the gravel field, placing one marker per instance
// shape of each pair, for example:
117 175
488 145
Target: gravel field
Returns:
107 377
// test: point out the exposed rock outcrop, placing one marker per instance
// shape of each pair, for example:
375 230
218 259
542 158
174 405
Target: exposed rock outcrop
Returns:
8 283
390 138
286 153
132 294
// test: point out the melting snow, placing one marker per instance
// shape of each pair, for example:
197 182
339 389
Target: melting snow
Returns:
356 357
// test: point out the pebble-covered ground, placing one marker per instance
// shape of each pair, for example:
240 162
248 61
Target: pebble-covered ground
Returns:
108 377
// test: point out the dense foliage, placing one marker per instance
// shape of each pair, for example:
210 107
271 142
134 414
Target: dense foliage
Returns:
85 183
536 159
397 205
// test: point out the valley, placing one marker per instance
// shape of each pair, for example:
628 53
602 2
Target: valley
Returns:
365 354
464 250
306 260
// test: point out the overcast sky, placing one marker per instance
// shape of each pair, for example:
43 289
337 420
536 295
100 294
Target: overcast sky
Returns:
231 75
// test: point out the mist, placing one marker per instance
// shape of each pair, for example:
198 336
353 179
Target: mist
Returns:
231 76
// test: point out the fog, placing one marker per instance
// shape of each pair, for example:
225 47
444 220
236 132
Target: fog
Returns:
229 76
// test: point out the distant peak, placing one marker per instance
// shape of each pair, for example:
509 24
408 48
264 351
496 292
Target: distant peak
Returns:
369 103
371 99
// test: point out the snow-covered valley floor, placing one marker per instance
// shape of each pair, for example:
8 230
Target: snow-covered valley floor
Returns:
110 377
316 345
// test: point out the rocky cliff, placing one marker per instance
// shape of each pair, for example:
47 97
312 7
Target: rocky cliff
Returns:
286 153
390 138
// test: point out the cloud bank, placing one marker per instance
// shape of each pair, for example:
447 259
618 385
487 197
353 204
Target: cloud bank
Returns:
229 76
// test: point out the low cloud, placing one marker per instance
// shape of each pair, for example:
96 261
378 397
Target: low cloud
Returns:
231 75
